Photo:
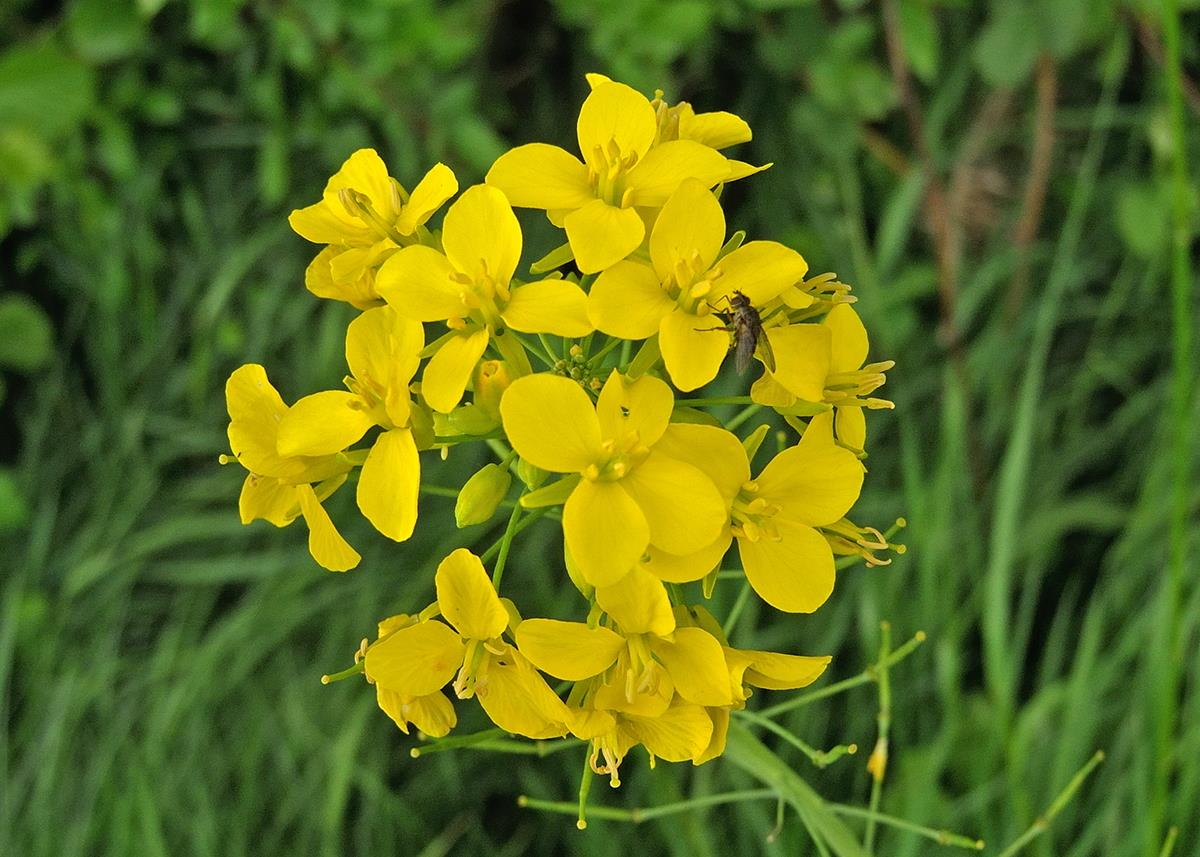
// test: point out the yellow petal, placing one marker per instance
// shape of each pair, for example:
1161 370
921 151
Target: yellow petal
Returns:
389 484
692 349
318 279
449 370
384 347
467 598
568 650
517 698
613 695
551 423
587 723
794 574
638 603
549 306
433 714
328 222
685 568
605 531
714 451
851 426
627 300
696 663
365 172
767 391
690 225
255 409
761 270
815 482
417 282
741 170
625 406
438 185
481 235
268 499
801 359
539 175
417 660
718 130
849 339
618 113
601 234
667 165
682 506
325 543
322 424
716 744
775 671
680 733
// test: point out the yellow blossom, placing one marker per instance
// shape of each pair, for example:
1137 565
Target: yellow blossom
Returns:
279 487
364 216
775 516
675 296
422 658
470 287
383 351
596 199
628 495
432 713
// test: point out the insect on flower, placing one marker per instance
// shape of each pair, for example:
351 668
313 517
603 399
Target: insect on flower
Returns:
743 321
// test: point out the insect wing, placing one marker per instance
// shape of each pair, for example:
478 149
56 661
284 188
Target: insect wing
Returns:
744 343
765 353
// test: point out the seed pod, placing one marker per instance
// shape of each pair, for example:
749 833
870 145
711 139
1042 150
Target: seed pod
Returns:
481 495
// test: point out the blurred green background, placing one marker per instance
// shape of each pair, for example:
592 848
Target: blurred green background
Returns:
1005 184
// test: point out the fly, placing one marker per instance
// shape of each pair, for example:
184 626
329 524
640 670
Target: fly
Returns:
743 321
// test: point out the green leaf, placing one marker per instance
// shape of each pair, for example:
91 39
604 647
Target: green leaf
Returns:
752 756
26 339
1007 48
1141 218
104 30
14 511
34 76
919 32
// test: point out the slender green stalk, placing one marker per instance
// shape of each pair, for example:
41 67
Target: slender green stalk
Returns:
1169 843
506 541
585 786
879 756
735 612
941 837
548 347
868 675
454 742
1167 630
612 343
743 415
1042 823
638 815
541 352
490 554
820 758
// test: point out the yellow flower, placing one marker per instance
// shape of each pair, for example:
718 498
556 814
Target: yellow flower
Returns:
365 215
383 351
676 295
717 129
421 659
776 515
642 635
679 732
469 287
628 495
432 713
823 363
280 487
596 200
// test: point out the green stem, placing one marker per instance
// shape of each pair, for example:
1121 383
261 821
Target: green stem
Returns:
941 837
506 541
1042 823
820 758
743 415
879 756
735 612
637 815
490 554
648 355
868 675
348 672
612 343
455 742
536 350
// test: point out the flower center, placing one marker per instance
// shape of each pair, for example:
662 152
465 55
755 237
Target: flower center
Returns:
690 284
752 515
849 388
620 456
608 169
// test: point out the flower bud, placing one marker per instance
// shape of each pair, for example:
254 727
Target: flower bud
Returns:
481 495
530 474
491 380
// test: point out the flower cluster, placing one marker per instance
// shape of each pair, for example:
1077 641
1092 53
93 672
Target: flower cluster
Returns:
576 377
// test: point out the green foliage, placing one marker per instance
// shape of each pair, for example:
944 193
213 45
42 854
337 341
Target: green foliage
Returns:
159 662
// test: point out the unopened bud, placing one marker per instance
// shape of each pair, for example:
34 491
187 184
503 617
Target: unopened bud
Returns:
531 475
481 495
491 380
